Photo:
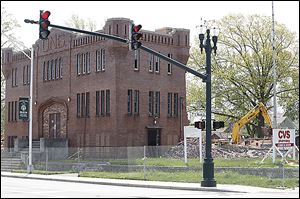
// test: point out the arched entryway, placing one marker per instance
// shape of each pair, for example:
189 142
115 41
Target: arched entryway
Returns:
53 116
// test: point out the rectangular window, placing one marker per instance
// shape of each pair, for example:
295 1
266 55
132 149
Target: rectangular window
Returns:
136 60
136 102
28 74
88 62
8 112
97 103
157 104
78 64
169 104
151 62
78 104
103 60
52 70
87 104
82 104
84 63
107 102
12 77
102 102
16 110
170 65
44 71
175 104
16 74
100 60
157 64
129 102
56 69
60 68
48 70
151 102
24 75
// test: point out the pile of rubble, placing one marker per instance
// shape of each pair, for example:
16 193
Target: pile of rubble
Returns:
218 151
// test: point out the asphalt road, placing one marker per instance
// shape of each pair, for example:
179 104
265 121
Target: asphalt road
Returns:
30 188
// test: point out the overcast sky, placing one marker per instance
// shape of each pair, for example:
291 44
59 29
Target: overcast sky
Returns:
151 14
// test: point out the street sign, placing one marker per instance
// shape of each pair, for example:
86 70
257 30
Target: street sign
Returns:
24 108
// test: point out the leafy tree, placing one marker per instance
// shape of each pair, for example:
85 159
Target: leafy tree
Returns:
242 68
80 23
8 24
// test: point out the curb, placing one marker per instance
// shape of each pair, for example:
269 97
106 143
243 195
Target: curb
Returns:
133 184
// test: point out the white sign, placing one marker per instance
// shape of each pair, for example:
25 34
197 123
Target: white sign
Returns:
284 137
190 131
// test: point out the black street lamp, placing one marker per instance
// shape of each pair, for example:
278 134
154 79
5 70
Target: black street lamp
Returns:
208 164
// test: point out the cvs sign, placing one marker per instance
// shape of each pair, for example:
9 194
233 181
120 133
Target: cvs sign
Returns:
284 137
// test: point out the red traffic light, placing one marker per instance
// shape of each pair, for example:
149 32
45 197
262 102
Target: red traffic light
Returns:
45 15
137 28
45 24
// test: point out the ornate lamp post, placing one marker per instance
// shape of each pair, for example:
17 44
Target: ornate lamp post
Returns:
208 164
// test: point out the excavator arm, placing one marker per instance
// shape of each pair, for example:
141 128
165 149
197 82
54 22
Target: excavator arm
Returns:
259 108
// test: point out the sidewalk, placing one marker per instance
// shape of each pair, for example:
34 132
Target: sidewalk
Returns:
146 184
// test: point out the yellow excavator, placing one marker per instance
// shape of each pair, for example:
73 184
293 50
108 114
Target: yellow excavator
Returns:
259 108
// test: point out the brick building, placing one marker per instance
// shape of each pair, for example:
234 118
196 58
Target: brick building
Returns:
92 91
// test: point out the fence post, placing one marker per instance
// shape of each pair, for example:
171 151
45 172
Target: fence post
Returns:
78 155
144 163
46 158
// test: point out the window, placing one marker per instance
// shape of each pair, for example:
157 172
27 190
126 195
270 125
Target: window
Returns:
78 64
52 70
151 62
88 62
82 104
169 104
170 65
151 103
107 102
84 63
14 77
129 102
100 60
157 64
48 70
87 104
102 102
60 68
175 104
78 104
12 111
44 72
56 69
157 104
8 112
97 103
28 74
136 60
136 102
24 73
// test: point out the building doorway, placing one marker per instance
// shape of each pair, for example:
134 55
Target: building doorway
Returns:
54 125
154 142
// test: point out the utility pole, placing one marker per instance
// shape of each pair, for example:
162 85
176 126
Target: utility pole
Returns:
274 70
17 44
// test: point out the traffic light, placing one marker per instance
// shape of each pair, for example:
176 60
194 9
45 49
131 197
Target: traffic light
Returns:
218 125
200 125
44 23
135 36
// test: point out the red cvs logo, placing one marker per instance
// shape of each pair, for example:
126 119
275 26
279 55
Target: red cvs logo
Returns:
284 134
